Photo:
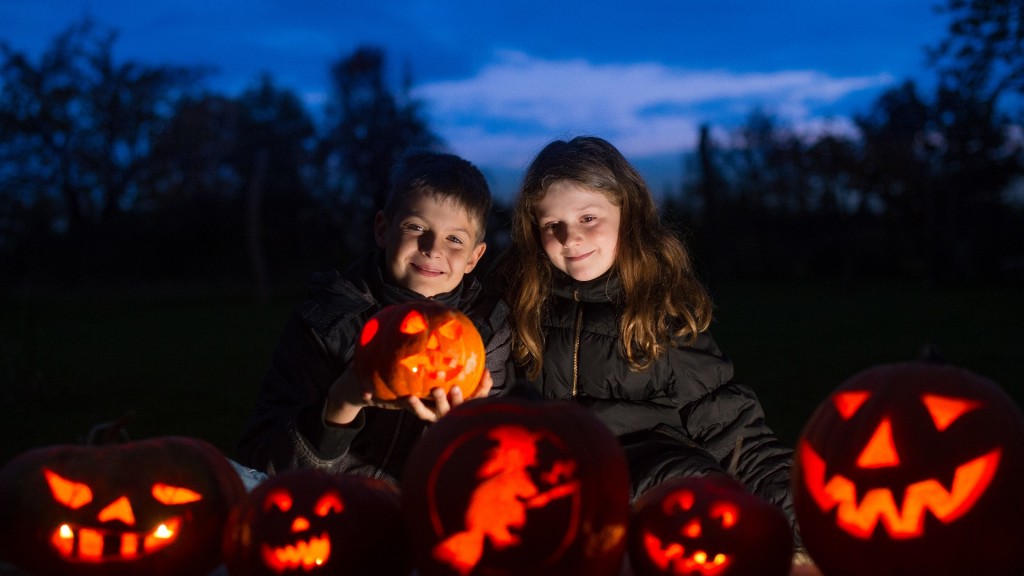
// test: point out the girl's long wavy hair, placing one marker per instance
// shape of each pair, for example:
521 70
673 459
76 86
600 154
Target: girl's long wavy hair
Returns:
664 302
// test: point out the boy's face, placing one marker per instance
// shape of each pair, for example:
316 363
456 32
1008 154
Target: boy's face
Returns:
429 245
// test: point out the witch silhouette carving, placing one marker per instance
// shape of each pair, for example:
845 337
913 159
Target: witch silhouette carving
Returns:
498 506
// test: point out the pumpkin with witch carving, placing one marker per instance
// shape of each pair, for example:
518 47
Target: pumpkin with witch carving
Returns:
508 486
155 507
913 468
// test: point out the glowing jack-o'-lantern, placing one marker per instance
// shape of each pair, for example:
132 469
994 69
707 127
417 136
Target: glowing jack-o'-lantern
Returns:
309 521
412 348
708 526
509 486
154 507
913 468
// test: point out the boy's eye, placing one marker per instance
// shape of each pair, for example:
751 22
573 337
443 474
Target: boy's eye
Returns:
412 227
456 240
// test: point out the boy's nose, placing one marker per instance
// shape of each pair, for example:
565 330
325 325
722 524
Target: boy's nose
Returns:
427 242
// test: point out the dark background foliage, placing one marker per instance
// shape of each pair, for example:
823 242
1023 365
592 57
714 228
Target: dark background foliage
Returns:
154 234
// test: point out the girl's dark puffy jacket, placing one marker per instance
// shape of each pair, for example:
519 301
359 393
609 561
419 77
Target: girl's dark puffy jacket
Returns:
682 416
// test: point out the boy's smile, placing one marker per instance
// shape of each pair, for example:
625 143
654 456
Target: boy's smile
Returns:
429 245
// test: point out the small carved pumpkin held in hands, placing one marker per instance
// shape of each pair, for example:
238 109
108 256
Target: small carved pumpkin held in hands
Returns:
913 469
309 521
412 348
155 507
708 526
506 486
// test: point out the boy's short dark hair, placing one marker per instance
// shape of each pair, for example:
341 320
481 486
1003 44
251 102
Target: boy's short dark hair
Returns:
441 176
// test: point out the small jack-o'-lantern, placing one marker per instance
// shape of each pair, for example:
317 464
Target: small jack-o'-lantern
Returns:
708 526
154 507
412 348
913 469
312 522
510 486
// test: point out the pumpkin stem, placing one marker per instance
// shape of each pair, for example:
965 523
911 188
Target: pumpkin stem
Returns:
106 433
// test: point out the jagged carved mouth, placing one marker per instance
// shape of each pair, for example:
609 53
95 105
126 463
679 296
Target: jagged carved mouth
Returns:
674 556
88 544
305 554
970 480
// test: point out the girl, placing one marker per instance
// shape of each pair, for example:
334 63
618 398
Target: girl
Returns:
608 312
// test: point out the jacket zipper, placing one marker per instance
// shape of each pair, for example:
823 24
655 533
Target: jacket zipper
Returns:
576 342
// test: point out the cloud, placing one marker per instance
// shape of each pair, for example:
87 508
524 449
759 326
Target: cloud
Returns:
514 105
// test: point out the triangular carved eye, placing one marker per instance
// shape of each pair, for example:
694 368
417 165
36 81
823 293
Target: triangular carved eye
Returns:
369 331
171 495
328 503
451 329
413 323
847 403
72 494
683 500
279 499
945 410
726 512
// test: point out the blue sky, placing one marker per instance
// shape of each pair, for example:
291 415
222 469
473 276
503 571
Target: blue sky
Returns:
501 79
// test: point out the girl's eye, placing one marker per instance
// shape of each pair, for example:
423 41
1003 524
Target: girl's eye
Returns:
587 219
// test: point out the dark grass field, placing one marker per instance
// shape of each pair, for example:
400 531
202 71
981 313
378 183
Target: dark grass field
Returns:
190 362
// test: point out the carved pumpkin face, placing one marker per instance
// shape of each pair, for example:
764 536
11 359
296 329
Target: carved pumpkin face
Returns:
913 465
708 526
512 487
147 507
308 521
409 349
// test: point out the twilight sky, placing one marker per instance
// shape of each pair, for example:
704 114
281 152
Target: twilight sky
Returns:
501 79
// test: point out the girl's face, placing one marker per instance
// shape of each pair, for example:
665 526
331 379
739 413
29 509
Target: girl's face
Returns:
579 229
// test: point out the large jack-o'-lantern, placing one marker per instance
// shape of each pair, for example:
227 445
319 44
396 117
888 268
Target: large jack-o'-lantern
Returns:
708 526
913 469
510 486
412 348
313 522
155 507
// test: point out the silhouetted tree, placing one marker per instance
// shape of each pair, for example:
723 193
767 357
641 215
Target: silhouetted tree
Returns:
368 127
982 54
77 124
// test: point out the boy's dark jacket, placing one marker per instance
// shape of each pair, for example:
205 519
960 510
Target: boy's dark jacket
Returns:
682 416
286 429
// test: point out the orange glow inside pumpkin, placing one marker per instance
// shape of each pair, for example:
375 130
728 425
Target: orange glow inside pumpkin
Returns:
304 553
438 366
674 555
110 542
498 506
970 479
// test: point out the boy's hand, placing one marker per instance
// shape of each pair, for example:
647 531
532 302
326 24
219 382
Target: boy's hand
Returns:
345 399
443 404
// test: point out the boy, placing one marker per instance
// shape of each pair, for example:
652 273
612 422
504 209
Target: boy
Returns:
311 410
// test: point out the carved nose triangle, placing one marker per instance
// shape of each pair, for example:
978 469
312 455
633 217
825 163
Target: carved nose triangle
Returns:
880 451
